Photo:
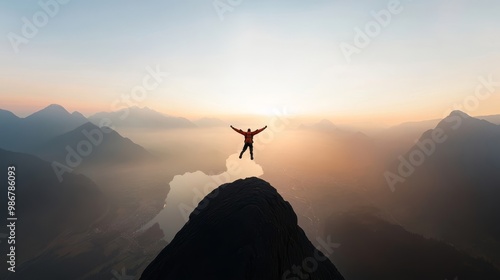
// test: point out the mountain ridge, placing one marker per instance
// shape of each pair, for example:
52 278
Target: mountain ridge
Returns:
105 146
141 118
23 134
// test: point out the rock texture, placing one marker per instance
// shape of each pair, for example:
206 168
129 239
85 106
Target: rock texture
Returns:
242 230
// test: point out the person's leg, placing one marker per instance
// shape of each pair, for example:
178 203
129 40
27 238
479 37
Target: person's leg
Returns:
251 151
244 149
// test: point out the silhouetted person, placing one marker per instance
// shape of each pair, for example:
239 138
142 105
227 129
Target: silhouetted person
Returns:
248 139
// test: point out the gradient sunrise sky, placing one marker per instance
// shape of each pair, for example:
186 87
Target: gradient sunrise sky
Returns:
263 55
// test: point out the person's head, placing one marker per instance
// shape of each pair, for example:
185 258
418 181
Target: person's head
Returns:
249 130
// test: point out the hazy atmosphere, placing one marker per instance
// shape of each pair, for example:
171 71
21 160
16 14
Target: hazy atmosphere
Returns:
234 139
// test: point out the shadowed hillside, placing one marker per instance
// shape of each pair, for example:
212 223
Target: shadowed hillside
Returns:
373 248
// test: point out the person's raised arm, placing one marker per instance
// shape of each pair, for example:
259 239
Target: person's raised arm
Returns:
237 130
260 130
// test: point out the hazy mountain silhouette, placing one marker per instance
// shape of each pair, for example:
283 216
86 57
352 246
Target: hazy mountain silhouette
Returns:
45 207
7 116
372 248
453 195
406 133
495 119
411 129
322 126
140 118
22 134
107 147
242 230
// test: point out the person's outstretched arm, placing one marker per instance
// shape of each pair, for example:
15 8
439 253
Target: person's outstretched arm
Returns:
259 130
237 130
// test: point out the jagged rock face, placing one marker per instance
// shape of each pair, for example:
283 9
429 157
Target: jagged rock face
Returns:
242 230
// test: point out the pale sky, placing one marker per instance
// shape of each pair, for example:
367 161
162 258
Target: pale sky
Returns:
263 55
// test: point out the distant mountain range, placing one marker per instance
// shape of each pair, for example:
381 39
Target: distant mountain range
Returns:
92 146
22 134
29 133
418 127
322 126
54 134
140 118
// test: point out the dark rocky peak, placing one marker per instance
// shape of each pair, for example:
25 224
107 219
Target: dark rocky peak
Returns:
242 230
